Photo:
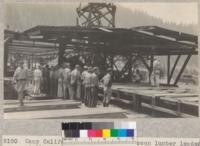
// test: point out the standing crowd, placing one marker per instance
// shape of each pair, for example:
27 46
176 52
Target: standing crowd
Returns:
78 84
64 82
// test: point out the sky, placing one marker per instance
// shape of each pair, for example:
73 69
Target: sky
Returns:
26 16
185 13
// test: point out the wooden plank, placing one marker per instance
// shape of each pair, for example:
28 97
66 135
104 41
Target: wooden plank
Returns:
180 95
140 97
153 105
175 101
179 108
41 106
190 99
164 110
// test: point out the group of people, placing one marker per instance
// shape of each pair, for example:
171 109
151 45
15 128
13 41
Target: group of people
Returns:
77 84
63 82
80 84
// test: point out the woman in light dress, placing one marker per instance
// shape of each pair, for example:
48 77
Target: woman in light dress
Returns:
60 93
37 75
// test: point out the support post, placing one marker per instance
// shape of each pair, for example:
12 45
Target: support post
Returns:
130 66
151 68
182 69
6 51
168 69
5 58
111 61
61 52
173 68
144 62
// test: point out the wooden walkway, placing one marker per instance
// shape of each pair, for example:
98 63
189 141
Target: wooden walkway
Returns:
128 101
179 101
64 109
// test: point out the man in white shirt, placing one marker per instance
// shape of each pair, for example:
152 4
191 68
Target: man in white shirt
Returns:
155 76
107 83
20 77
66 81
76 82
83 78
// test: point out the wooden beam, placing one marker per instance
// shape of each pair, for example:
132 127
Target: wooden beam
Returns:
32 46
61 53
173 68
182 69
151 67
144 62
168 69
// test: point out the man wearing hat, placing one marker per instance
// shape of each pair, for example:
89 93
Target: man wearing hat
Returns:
66 81
107 83
95 86
83 78
76 82
155 76
87 86
20 77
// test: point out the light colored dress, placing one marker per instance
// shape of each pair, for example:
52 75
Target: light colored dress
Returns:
76 84
107 83
60 83
94 90
66 83
37 75
155 76
88 87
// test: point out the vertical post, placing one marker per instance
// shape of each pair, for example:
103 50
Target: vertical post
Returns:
113 15
153 104
6 51
151 68
179 108
32 61
111 61
89 17
130 66
5 57
93 59
104 61
61 52
168 69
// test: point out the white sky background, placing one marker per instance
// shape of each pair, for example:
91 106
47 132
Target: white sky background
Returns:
185 13
24 16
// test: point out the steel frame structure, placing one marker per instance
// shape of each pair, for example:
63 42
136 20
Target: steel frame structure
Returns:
96 14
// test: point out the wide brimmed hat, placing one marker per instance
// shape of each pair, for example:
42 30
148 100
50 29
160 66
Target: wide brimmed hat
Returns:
77 66
109 69
90 69
85 67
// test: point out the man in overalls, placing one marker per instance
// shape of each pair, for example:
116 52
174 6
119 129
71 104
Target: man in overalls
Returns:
107 83
155 76
76 83
20 77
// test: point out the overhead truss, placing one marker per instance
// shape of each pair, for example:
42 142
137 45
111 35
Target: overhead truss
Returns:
96 14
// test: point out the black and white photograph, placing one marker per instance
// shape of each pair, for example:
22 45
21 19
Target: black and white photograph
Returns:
92 60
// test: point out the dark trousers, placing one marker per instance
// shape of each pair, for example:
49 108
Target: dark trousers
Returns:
53 87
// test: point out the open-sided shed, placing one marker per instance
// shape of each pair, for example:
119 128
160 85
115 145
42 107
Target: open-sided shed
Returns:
138 43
